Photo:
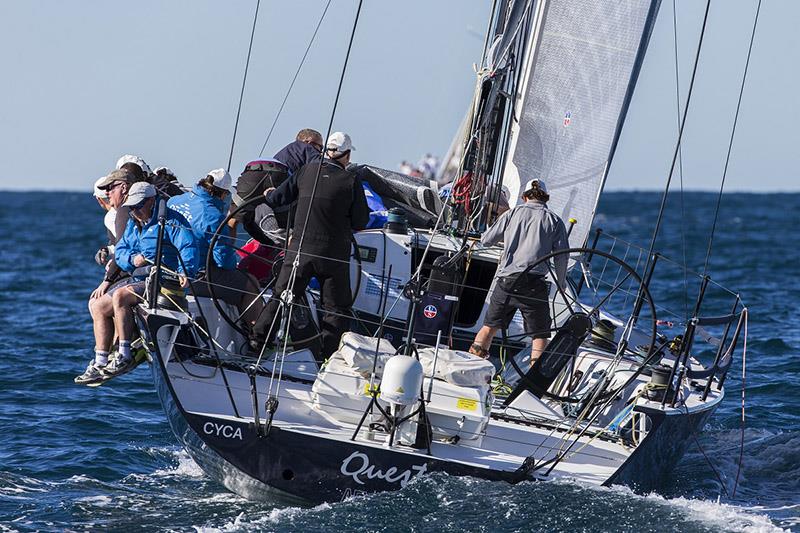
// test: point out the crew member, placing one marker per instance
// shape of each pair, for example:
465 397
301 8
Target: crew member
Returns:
136 249
105 252
529 231
204 208
166 182
337 208
307 146
116 186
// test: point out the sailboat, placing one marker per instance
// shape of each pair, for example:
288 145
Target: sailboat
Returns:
613 399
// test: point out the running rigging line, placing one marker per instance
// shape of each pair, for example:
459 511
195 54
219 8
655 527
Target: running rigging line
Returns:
244 82
297 73
680 136
730 142
680 159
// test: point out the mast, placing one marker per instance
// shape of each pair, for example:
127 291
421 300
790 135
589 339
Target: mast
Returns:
487 125
557 83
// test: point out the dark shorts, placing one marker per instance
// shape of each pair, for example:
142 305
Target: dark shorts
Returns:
229 285
135 284
530 298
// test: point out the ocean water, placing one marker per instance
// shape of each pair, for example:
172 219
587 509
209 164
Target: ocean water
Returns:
76 458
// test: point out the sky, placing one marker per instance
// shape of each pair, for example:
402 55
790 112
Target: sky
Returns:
84 82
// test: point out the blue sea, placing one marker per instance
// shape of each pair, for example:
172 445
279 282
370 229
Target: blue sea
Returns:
75 458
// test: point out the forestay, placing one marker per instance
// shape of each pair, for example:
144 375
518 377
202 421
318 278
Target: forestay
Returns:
581 65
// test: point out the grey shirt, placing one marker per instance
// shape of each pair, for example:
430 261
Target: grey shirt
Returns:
530 231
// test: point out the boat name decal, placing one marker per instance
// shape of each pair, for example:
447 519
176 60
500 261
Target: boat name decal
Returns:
357 465
222 430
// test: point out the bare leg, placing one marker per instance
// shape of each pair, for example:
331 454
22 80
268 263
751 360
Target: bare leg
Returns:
102 311
484 339
123 300
537 348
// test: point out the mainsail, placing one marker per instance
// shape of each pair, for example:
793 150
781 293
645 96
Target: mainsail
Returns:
582 61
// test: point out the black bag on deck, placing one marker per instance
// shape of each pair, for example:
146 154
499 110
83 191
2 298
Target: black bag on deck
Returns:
435 311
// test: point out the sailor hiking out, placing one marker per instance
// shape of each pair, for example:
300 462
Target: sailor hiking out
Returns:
134 251
324 224
529 232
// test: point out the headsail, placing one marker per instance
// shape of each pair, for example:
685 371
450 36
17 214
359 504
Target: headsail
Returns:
583 58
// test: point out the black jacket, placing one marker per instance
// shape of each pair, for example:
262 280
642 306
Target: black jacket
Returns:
339 207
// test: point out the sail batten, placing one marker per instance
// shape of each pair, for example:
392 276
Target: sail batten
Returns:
582 62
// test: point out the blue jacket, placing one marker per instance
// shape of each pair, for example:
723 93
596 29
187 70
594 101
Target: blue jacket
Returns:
205 213
143 241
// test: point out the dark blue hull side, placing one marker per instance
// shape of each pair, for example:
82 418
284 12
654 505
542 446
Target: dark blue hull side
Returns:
294 466
291 465
665 444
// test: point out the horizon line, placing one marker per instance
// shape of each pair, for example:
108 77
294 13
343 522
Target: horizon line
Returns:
610 190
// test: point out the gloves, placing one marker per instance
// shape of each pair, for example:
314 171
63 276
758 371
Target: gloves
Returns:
101 257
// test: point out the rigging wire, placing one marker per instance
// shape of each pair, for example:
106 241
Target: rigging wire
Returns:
244 83
680 135
294 79
296 263
730 142
680 159
330 124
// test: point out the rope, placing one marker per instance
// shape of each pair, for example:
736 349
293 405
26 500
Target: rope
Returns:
244 82
680 134
730 142
296 74
719 478
746 314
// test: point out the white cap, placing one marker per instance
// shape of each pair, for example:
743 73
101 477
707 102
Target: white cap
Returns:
100 193
139 192
221 179
166 170
339 142
529 185
135 159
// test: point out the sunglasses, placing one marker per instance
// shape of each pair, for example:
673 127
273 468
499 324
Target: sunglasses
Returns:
114 186
139 205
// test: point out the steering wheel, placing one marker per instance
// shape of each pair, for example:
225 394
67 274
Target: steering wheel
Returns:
210 261
615 295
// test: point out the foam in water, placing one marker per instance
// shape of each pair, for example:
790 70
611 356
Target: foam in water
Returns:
715 514
275 516
185 467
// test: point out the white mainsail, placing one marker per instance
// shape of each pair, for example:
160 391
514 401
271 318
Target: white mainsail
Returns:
580 68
